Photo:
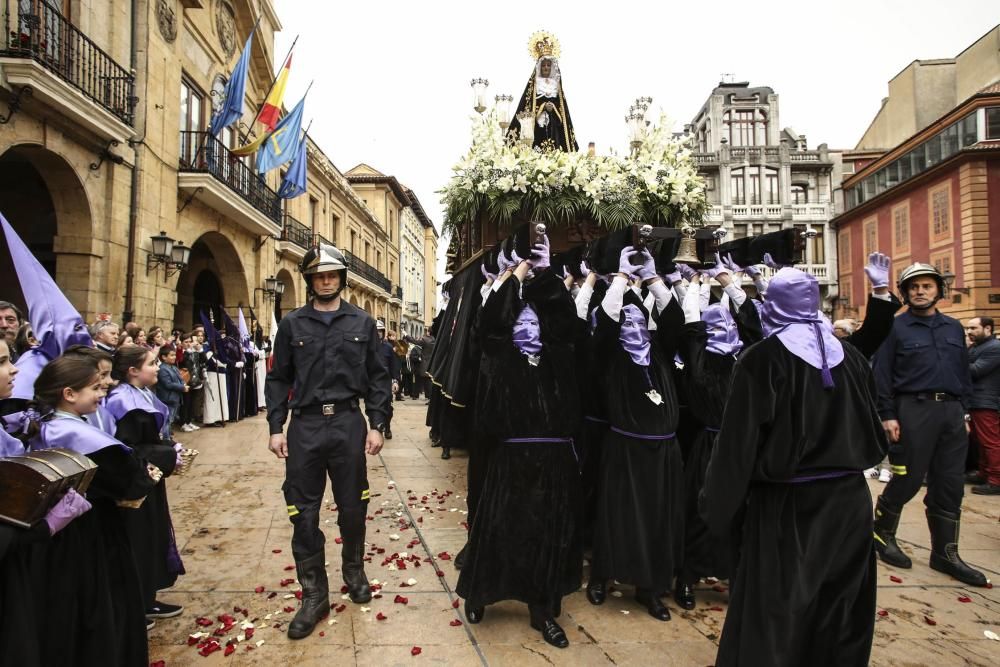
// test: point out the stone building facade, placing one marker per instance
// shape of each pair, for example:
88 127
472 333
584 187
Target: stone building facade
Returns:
761 177
103 145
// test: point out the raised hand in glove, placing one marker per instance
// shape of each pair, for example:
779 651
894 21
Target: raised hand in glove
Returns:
686 271
584 269
625 264
541 255
877 269
487 274
647 269
719 267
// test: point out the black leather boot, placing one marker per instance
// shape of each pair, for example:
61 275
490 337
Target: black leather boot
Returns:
653 604
353 570
597 591
944 549
445 452
684 593
315 596
542 620
886 522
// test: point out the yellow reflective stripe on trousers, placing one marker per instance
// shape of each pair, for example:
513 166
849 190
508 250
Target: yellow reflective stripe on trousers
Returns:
366 494
898 470
292 510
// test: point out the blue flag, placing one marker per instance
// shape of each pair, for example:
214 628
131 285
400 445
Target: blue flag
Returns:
294 182
280 145
232 105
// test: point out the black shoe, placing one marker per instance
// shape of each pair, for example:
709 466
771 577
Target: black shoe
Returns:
354 570
459 560
150 624
987 490
653 604
311 572
684 594
163 610
446 453
388 434
974 477
944 549
474 614
597 592
886 522
552 633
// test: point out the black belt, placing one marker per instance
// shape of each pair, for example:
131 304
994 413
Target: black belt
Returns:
327 409
938 397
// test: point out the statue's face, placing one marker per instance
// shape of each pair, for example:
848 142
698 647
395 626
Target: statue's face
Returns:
546 68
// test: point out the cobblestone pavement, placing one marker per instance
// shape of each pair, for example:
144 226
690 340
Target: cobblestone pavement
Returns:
234 536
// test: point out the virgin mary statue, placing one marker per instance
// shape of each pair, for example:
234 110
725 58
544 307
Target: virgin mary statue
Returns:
544 101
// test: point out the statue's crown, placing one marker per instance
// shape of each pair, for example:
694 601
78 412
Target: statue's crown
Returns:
543 44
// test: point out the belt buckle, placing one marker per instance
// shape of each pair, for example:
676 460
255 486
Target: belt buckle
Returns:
329 409
939 397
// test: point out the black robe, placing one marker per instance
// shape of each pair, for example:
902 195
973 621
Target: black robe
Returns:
804 588
524 542
638 530
149 527
20 572
250 407
90 595
230 353
704 388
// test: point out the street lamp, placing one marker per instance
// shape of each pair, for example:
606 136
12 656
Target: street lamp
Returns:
636 123
949 281
503 109
172 255
479 86
270 285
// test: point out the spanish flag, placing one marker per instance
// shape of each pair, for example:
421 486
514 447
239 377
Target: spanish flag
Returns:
271 110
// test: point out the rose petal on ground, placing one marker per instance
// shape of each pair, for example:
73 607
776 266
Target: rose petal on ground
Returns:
204 622
964 599
895 579
883 612
339 540
444 555
276 551
340 608
271 595
929 620
380 616
416 650
439 573
259 589
454 604
716 609
322 634
230 649
455 623
399 599
989 634
289 568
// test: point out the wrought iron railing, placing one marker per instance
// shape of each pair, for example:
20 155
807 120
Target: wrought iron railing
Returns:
319 238
399 292
35 29
296 232
367 271
201 152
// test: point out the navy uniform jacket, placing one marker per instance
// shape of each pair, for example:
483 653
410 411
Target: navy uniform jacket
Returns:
984 365
922 355
320 360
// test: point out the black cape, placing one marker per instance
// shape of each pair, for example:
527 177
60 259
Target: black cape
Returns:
804 589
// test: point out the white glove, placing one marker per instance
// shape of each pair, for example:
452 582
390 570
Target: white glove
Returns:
239 364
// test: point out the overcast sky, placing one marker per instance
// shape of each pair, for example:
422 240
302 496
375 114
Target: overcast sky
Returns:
392 78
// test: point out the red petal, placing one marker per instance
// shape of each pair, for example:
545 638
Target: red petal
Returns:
289 568
340 607
289 610
276 551
455 623
716 609
444 555
248 633
895 579
929 620
454 604
399 599
339 540
343 589
203 622
403 584
272 594
230 650
158 663
298 595
285 582
322 634
380 616
440 573
191 641
416 650
259 589
965 599
883 612
989 584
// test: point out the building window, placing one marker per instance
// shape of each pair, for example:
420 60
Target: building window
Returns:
939 205
870 243
817 246
901 229
771 193
942 261
993 123
191 120
800 194
313 213
755 187
741 128
354 242
738 195
846 298
844 250
368 253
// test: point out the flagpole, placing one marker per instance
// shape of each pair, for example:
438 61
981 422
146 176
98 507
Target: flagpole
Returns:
273 81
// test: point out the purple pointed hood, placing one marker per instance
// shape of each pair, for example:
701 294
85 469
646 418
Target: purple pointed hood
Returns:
791 313
56 323
723 337
244 332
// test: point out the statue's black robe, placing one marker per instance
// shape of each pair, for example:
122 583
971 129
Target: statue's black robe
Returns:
638 529
804 588
558 133
524 543
704 387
